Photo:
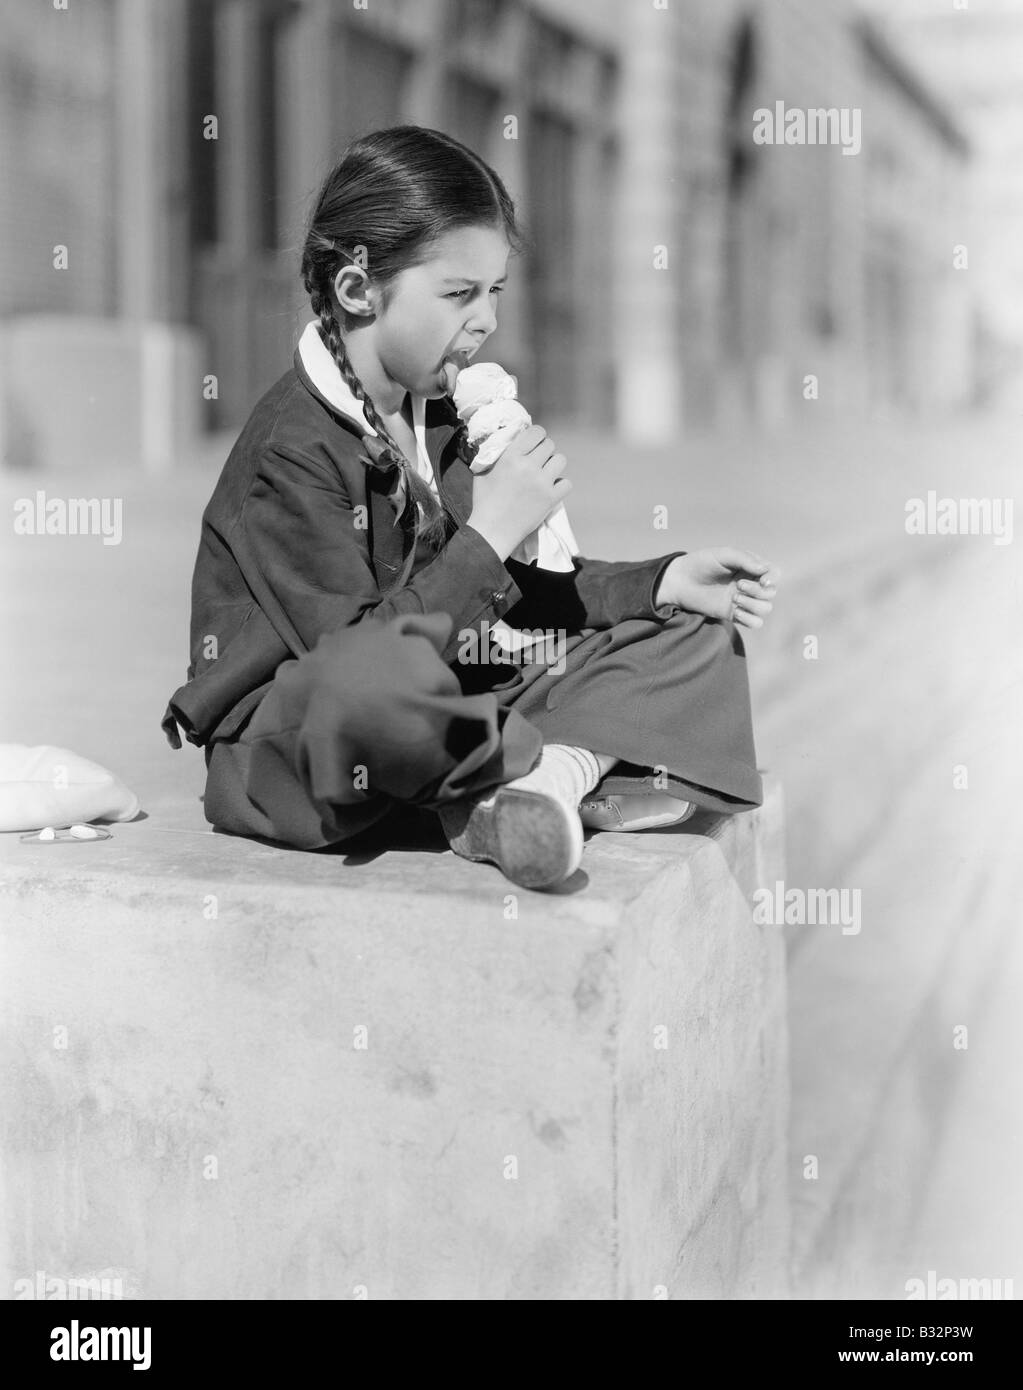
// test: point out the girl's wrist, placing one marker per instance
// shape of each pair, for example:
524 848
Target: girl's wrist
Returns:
669 589
492 535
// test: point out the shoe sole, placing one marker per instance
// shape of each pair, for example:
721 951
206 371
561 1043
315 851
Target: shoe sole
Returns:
535 840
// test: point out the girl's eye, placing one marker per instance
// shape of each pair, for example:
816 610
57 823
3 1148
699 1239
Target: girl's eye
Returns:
459 294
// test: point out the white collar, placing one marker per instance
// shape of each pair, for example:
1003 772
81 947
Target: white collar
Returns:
325 375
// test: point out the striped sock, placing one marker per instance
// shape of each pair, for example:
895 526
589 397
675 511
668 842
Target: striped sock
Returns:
566 771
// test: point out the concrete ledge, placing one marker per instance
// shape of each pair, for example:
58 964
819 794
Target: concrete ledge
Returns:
570 1096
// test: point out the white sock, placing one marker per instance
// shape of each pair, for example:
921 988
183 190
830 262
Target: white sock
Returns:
565 771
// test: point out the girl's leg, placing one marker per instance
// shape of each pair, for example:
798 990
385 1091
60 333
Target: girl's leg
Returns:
530 825
671 700
370 716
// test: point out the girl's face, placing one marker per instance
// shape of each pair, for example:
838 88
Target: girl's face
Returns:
445 307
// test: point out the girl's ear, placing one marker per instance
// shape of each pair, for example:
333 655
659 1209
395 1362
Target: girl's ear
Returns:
354 292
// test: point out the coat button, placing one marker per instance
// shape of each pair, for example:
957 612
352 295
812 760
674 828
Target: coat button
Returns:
498 596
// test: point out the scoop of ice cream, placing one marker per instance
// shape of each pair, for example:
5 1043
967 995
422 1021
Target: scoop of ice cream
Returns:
480 383
484 397
497 415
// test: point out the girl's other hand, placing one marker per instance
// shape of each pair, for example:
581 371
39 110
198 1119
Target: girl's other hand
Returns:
724 583
526 483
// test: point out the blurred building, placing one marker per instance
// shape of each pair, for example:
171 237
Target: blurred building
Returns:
799 268
974 56
681 276
919 305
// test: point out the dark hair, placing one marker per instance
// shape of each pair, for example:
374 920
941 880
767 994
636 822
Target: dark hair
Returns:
392 194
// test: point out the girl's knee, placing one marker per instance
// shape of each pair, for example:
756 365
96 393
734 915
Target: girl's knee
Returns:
396 658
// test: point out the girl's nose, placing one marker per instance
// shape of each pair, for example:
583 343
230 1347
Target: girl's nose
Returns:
484 320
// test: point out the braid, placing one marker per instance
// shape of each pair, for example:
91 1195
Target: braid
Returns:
431 523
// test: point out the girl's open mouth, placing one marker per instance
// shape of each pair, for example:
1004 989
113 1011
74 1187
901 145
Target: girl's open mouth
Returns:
451 366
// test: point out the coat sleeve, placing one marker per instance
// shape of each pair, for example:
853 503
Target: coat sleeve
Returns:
597 593
303 549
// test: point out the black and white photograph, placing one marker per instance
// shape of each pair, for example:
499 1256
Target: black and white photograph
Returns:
511 732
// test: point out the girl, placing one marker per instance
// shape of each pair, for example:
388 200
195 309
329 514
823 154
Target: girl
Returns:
348 553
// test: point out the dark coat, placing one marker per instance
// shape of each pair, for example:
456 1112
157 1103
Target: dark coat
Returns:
300 538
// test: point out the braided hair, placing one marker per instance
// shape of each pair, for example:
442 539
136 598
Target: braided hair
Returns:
394 193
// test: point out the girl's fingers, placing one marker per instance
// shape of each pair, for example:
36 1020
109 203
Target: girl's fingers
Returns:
756 588
760 606
743 560
744 619
748 568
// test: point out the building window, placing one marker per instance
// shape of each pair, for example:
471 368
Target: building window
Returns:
554 262
266 169
469 20
371 83
739 114
607 89
471 112
202 103
552 50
